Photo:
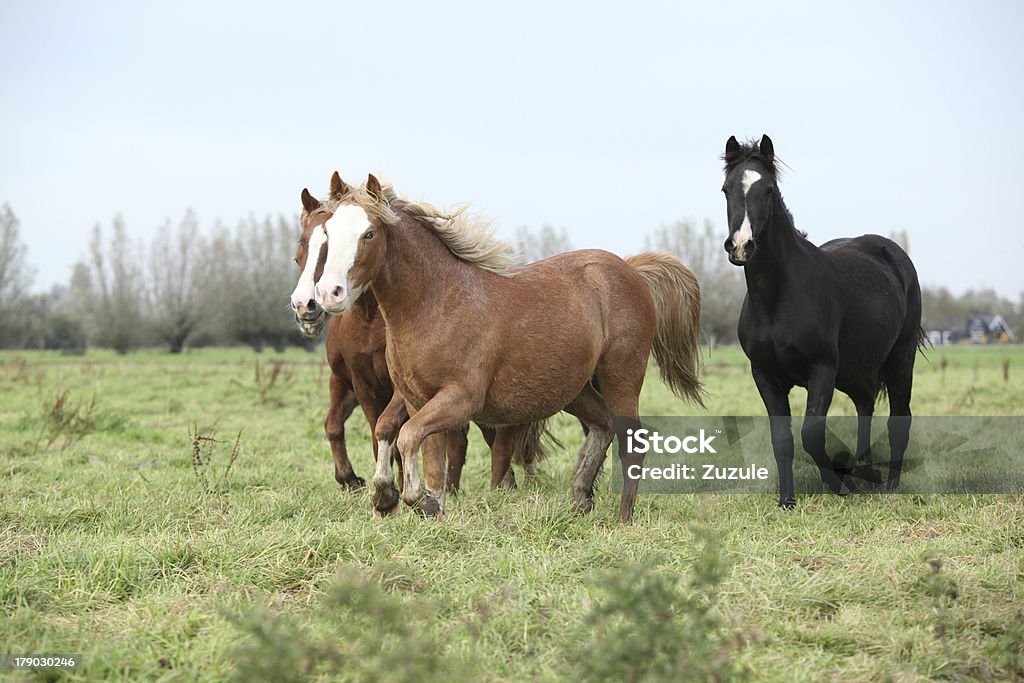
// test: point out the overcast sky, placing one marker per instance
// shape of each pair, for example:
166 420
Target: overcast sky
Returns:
606 119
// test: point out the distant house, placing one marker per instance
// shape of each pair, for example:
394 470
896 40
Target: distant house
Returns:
988 329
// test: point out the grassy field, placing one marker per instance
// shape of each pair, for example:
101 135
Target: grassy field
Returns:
117 544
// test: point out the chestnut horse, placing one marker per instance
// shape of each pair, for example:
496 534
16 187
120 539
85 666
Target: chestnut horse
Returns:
356 355
472 337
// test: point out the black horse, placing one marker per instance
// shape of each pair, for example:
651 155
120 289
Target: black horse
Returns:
846 315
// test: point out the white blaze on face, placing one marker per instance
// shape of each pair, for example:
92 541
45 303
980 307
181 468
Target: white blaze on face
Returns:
304 289
743 235
344 229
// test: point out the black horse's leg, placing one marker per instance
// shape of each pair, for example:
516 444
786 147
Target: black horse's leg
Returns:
899 385
864 467
820 388
776 400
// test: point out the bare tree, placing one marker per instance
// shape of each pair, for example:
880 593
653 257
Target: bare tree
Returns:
179 269
110 289
254 274
722 287
547 242
15 279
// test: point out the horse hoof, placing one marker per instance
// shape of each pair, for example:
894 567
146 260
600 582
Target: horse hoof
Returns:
509 482
429 506
869 474
584 506
352 483
385 503
846 485
787 503
892 484
843 462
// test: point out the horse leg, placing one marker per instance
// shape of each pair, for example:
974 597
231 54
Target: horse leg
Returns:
776 400
820 388
590 407
863 464
489 433
448 409
435 474
619 377
501 457
898 382
457 444
385 495
342 403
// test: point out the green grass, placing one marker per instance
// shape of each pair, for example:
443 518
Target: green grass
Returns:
115 546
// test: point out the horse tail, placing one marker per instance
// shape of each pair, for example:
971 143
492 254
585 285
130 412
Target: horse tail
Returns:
676 295
530 444
923 342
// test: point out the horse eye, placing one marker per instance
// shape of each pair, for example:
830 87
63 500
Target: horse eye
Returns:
369 235
295 261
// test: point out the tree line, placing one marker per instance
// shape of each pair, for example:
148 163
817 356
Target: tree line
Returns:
187 288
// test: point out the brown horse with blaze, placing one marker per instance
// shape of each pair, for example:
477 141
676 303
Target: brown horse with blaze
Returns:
355 346
537 334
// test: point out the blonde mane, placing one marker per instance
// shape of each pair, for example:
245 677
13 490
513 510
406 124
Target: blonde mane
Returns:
468 236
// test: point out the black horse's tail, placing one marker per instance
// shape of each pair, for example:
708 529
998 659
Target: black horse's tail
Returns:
923 342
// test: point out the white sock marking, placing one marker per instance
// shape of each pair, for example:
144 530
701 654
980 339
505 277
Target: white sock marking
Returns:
383 475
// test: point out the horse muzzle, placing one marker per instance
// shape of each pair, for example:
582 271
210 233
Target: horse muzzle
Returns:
311 326
741 255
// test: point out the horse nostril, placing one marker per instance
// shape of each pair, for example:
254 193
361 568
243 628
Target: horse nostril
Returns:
311 305
338 291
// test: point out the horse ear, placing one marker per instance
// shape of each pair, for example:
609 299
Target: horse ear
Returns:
733 151
373 187
309 202
338 186
767 149
731 146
